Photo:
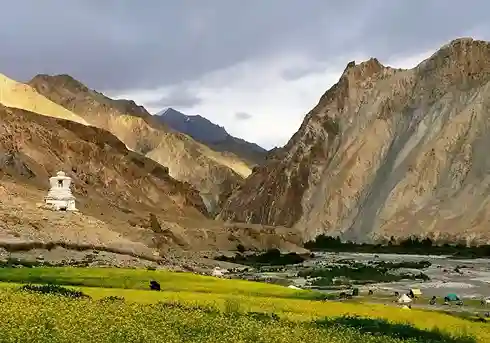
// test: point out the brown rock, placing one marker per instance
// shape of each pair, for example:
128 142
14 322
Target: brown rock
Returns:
385 152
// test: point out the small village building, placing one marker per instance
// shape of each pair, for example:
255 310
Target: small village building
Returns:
59 195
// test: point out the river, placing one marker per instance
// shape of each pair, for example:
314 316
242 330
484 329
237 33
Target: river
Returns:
469 278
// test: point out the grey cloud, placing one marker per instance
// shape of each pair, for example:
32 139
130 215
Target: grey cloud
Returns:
242 116
122 44
178 97
292 74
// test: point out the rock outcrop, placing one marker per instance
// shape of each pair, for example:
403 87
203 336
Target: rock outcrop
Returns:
386 152
210 172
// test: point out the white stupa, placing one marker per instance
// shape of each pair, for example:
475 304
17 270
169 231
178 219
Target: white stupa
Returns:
60 196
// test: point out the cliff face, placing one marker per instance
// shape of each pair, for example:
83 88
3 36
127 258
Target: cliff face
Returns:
211 172
212 135
385 152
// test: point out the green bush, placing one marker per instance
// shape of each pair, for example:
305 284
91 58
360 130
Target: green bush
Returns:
55 290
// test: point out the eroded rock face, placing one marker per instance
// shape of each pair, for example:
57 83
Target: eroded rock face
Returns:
385 152
210 172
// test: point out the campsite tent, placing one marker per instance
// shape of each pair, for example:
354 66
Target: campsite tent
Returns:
452 297
415 292
404 299
293 287
218 272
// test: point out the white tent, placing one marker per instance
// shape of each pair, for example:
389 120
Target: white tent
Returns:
293 287
218 272
404 299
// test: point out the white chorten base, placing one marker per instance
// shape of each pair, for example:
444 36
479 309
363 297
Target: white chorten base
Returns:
62 205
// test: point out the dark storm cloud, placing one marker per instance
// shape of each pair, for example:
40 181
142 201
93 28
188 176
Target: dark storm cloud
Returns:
242 116
124 44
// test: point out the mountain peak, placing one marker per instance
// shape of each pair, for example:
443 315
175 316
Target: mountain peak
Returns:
461 60
196 126
463 48
211 134
62 80
362 70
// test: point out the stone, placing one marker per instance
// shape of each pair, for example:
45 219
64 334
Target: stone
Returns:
60 196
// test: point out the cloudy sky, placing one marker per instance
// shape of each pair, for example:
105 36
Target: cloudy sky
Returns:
255 66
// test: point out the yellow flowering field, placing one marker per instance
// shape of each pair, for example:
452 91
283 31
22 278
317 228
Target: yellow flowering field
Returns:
192 308
140 278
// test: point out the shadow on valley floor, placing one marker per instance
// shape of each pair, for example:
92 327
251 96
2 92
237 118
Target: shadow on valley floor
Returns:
381 327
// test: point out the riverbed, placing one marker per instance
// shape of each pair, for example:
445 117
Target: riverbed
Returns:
469 278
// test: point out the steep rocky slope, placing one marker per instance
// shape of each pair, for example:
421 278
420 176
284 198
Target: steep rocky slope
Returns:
128 203
211 172
385 152
212 135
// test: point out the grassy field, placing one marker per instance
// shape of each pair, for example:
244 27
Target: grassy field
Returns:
192 308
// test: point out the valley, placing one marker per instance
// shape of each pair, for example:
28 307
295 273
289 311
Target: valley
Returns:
240 244
469 278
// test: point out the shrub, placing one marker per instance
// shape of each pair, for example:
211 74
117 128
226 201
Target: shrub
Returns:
55 290
112 298
263 316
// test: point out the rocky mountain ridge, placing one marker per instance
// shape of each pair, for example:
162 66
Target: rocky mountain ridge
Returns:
210 172
212 135
386 152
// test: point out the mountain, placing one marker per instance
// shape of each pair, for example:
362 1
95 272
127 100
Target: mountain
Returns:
131 211
386 152
113 186
213 173
214 136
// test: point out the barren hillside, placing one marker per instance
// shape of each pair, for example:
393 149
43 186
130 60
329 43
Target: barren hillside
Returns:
211 172
385 152
19 95
126 201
